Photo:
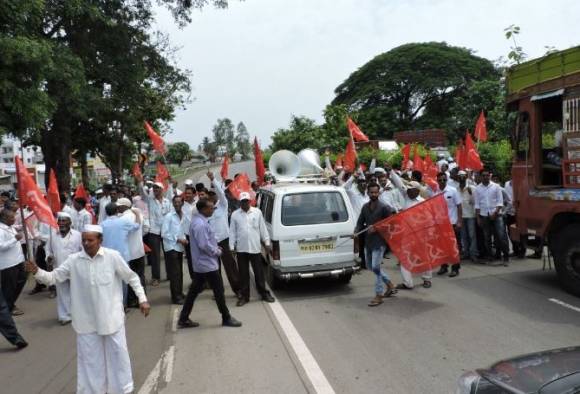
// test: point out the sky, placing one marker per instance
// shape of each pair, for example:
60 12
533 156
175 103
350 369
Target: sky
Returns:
261 61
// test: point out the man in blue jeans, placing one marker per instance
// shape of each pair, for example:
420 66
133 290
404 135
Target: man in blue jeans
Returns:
468 230
372 212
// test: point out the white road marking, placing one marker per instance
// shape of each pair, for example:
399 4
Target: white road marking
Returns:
152 379
168 363
565 305
174 320
309 364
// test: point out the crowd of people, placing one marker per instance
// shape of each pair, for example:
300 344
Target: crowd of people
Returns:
480 209
94 263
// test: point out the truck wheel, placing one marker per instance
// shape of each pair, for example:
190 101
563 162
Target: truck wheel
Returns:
566 253
345 279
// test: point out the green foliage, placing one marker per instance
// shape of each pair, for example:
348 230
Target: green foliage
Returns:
178 152
411 86
243 141
516 54
301 133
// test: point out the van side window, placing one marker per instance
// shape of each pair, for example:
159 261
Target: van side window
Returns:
269 207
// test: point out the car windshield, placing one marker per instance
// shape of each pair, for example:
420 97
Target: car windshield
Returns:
313 208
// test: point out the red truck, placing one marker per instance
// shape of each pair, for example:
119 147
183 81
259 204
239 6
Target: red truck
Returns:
544 103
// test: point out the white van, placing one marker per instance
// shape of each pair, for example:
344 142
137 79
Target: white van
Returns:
311 227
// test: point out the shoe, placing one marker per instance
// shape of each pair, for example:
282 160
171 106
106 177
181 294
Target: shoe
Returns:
52 294
453 274
242 302
442 271
378 300
155 282
187 324
178 302
402 286
427 284
17 311
20 343
37 289
65 322
268 298
231 322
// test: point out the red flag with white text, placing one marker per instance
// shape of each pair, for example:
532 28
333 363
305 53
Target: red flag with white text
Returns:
422 236
355 131
31 196
156 140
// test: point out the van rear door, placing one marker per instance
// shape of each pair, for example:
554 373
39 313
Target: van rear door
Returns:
316 229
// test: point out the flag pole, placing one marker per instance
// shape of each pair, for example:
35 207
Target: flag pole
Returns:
29 250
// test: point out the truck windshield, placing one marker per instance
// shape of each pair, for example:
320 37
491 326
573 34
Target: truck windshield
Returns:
313 208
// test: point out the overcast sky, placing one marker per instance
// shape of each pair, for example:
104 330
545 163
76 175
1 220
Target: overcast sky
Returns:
260 61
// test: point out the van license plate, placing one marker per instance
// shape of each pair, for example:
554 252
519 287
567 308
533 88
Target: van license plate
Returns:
316 247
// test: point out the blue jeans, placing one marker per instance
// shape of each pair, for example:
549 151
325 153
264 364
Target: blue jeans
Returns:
374 257
469 238
496 228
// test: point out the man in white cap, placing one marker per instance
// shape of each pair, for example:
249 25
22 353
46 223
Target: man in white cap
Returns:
61 244
247 230
158 206
96 275
135 244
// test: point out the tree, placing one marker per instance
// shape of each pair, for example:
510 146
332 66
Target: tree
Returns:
223 136
243 141
397 89
209 148
178 152
301 133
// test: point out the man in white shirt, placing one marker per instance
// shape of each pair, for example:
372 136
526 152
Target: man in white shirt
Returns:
247 229
219 224
174 243
12 275
61 244
158 206
488 206
519 250
358 197
453 200
189 195
135 244
110 195
468 229
96 275
80 216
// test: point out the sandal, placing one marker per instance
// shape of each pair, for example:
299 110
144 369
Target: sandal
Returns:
402 286
427 284
376 301
389 293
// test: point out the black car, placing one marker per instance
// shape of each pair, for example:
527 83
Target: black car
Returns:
549 372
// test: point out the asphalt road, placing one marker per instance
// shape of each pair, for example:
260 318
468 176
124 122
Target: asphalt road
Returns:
319 337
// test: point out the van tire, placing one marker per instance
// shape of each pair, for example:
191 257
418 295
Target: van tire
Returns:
274 282
566 251
345 279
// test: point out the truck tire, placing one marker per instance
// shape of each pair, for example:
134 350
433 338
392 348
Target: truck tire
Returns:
566 252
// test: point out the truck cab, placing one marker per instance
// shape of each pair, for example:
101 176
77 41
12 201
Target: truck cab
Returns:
544 102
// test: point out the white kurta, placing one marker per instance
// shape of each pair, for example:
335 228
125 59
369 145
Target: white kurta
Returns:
98 317
59 248
247 229
136 248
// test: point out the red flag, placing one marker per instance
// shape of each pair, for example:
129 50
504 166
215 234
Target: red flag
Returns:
430 167
362 167
422 236
355 131
136 170
225 168
472 159
338 162
30 195
162 175
459 155
242 184
52 193
156 140
406 151
349 161
81 192
418 161
260 168
481 128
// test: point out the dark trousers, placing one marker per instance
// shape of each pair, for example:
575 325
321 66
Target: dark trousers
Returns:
230 265
154 257
188 258
361 250
12 281
456 266
215 282
518 247
138 267
497 228
174 269
244 260
7 326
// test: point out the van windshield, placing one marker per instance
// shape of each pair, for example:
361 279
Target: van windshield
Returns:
313 208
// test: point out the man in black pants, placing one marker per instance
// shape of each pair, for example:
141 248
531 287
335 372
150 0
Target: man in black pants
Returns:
205 253
7 326
12 274
247 230
174 242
